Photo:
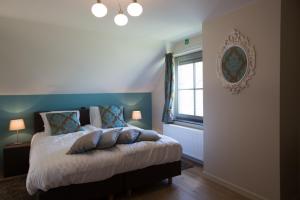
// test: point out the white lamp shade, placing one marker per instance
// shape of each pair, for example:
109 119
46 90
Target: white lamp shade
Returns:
136 115
99 10
121 19
135 9
16 125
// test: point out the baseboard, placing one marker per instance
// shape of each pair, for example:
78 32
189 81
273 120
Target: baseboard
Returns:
242 191
194 160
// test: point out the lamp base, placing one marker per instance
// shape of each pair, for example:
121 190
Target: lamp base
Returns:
17 143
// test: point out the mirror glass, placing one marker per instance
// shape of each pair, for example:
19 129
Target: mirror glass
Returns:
234 64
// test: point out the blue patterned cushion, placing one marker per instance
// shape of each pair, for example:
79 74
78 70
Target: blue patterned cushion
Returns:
148 135
63 123
128 136
108 139
85 143
112 116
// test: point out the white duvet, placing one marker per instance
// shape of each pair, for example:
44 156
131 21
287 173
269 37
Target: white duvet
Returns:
50 167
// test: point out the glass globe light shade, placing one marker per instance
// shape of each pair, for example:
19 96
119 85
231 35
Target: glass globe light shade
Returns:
99 10
121 19
135 9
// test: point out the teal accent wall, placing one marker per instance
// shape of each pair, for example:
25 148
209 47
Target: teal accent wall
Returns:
23 106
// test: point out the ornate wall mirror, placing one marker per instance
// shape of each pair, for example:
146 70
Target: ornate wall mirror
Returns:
236 62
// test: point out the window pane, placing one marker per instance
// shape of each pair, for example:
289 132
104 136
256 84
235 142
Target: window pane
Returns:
185 76
199 103
186 102
199 74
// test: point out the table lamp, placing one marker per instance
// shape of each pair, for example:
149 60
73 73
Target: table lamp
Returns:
136 115
17 125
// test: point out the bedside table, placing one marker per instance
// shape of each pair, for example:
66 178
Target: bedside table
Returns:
16 159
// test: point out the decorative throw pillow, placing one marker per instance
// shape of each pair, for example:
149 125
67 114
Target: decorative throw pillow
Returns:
128 136
63 123
85 143
47 128
108 139
112 116
148 135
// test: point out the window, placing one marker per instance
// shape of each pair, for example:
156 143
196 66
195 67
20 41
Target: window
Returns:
189 88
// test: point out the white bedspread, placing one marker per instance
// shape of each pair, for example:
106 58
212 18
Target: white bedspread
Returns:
50 167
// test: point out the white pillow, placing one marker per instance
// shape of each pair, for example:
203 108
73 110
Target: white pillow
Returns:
46 122
95 117
89 128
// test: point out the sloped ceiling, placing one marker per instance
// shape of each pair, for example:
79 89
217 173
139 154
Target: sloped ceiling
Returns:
58 46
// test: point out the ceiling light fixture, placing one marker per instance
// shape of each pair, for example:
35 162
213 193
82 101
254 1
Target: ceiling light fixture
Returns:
121 19
99 9
134 9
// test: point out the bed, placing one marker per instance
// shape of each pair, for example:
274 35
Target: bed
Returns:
54 175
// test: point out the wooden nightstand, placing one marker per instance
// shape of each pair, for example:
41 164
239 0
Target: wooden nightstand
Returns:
16 159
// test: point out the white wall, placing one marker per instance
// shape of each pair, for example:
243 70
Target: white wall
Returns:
158 93
180 46
39 58
242 131
158 100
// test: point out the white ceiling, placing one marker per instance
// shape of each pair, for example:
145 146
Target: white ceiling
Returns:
58 46
162 19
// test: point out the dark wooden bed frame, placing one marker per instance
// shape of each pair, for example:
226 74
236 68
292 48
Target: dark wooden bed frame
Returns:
119 183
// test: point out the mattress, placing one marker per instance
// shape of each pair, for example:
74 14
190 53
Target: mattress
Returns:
50 166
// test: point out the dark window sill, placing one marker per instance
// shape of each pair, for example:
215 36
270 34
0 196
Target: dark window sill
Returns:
189 124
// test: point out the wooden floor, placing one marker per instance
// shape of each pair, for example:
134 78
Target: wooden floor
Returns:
191 185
